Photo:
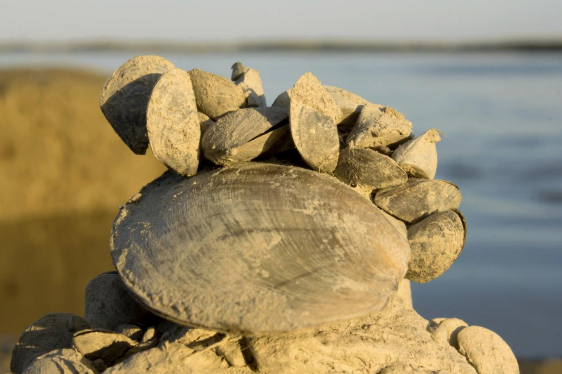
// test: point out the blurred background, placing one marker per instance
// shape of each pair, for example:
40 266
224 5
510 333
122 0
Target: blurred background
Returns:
488 73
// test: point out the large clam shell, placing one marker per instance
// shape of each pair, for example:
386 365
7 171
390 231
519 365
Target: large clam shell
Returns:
257 248
418 198
125 95
173 124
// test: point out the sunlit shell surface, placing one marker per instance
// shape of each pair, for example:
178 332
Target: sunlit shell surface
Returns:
257 249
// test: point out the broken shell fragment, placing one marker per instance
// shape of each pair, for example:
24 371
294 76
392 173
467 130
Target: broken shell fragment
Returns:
436 242
108 346
109 304
61 361
215 95
125 96
309 91
249 81
487 351
379 125
173 124
350 106
418 157
365 167
234 138
273 255
316 137
48 333
418 198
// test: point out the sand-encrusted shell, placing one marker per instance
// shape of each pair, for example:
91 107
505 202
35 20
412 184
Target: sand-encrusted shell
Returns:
309 91
436 242
350 105
365 167
125 96
61 361
418 157
215 95
379 125
257 248
100 344
315 136
283 100
418 198
249 81
204 122
173 124
243 134
48 333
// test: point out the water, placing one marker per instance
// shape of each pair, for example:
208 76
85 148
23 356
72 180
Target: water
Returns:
502 114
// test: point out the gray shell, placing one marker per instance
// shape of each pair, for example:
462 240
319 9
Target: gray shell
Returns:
418 198
309 91
257 248
125 96
173 124
215 95
350 105
418 157
436 242
222 142
365 167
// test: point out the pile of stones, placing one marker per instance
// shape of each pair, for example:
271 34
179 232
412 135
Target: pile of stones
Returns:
281 239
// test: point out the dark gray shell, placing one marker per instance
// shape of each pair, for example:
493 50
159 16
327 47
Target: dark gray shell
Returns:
418 198
124 98
436 242
362 166
257 248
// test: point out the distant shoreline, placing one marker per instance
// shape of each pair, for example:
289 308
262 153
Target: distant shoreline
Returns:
554 45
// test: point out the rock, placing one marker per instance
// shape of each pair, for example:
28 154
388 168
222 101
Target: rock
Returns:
47 334
365 167
108 346
418 198
61 361
234 138
109 304
486 351
315 136
173 124
215 95
436 242
350 106
378 126
249 81
447 331
133 332
309 91
418 157
125 96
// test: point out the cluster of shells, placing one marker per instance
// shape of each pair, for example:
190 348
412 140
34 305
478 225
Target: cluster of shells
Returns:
270 219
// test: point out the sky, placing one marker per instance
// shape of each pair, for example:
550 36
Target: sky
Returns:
229 20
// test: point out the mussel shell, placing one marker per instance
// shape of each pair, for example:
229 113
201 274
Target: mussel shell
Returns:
436 242
256 248
249 81
215 95
309 91
236 129
362 166
418 198
173 124
350 105
418 157
125 95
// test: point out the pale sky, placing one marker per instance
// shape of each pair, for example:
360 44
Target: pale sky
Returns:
227 20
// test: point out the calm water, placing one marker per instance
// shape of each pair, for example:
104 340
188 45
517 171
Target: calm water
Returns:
502 114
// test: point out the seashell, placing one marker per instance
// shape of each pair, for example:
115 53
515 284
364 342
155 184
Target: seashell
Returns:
250 81
48 333
215 96
244 134
379 125
125 96
365 167
133 332
204 122
316 137
487 351
350 105
418 198
309 91
436 242
173 123
61 361
447 330
283 100
108 304
108 346
256 249
418 157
